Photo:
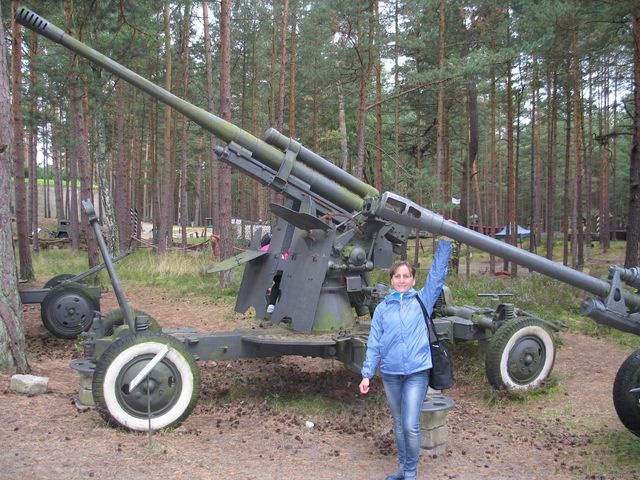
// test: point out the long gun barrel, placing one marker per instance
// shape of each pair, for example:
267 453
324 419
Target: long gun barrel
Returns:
398 209
344 190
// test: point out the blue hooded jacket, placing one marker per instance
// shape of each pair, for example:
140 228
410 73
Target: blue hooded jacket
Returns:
399 337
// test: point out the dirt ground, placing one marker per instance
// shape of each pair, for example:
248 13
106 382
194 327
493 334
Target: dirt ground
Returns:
244 437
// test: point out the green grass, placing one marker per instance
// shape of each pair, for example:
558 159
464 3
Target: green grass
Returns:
51 262
500 398
178 273
614 453
310 405
65 183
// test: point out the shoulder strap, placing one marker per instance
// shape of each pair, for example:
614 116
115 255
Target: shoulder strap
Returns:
429 322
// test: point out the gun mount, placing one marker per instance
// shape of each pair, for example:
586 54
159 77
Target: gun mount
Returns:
336 229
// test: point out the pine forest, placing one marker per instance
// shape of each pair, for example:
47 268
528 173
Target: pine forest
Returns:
490 112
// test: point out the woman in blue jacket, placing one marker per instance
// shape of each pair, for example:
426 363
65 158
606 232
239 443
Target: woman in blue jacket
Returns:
399 343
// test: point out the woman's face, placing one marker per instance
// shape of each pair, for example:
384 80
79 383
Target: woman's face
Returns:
402 280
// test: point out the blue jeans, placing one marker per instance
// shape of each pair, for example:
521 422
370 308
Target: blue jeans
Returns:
405 395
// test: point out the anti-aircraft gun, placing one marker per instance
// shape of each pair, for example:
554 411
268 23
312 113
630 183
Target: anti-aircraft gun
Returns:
337 229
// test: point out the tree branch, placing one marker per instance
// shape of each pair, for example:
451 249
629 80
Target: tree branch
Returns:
404 92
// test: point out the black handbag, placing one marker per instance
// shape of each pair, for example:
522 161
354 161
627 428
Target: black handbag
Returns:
441 375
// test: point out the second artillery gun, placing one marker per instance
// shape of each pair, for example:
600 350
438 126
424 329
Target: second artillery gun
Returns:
337 229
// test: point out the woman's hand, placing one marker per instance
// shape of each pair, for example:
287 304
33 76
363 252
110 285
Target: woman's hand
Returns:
452 221
364 386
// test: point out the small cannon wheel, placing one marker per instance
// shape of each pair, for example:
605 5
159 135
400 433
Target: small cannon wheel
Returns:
58 279
115 318
628 404
170 391
520 355
67 310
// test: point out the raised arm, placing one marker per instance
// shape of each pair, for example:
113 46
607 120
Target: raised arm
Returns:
437 275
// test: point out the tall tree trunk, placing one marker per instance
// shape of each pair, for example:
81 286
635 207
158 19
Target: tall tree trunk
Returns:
45 156
633 230
66 168
33 143
366 68
166 192
102 162
468 165
603 227
56 165
342 126
138 176
378 74
551 161
493 196
314 115
259 192
84 172
73 140
511 173
416 253
226 237
273 106
419 163
154 181
501 207
292 72
440 135
485 171
81 156
184 49
283 65
12 341
588 172
567 178
121 170
22 225
603 192
243 194
538 184
534 236
613 206
197 194
578 233
214 202
396 117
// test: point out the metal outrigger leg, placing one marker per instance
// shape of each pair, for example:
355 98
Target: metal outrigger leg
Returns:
115 281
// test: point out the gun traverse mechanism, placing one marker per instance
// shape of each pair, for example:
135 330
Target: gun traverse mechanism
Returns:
334 229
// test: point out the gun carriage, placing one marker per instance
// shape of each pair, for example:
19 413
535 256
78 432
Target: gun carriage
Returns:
338 229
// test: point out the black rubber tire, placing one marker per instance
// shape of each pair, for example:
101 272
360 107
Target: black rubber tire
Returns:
58 279
68 310
174 383
520 355
628 404
115 318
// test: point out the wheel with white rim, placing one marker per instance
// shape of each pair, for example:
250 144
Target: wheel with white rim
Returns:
167 394
520 355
